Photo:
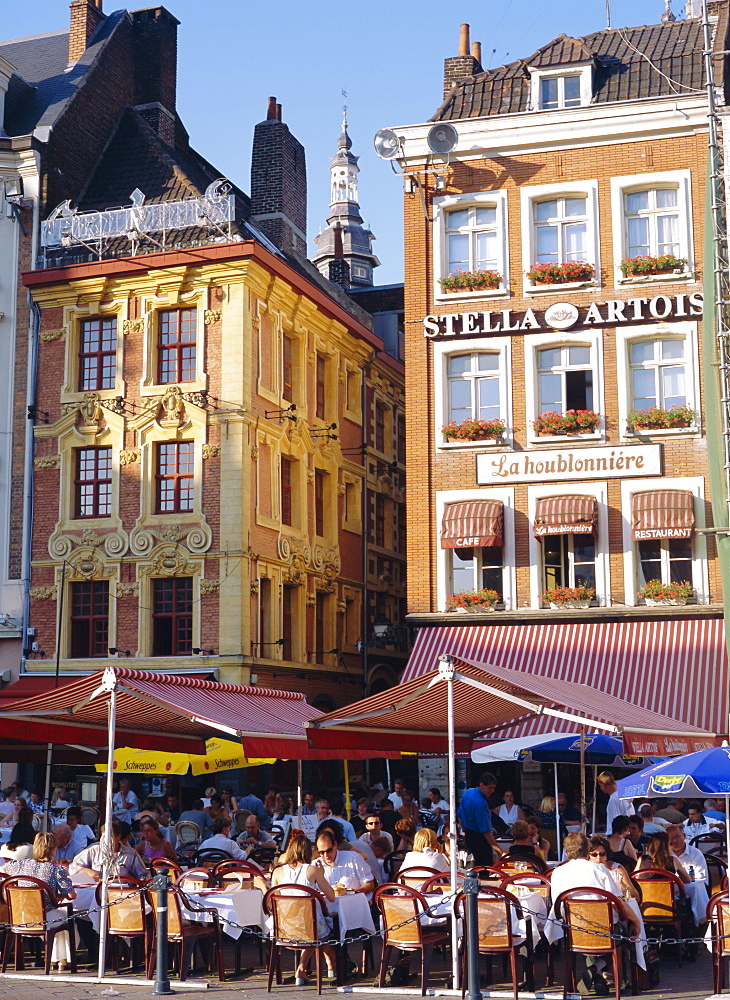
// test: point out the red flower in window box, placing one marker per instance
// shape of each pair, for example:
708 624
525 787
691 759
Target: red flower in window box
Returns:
552 423
561 274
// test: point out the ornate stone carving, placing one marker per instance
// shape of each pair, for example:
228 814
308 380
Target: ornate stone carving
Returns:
341 607
198 538
43 593
91 412
90 538
341 489
67 408
60 547
294 551
254 452
324 585
170 533
294 577
48 336
311 599
310 357
132 326
47 462
116 543
211 450
172 407
254 586
211 316
310 475
169 560
210 586
142 542
342 377
87 565
127 590
129 456
200 399
326 561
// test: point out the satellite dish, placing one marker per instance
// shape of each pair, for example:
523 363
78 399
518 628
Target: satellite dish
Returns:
387 143
442 138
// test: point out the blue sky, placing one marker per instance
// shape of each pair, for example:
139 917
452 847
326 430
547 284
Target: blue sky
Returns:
387 54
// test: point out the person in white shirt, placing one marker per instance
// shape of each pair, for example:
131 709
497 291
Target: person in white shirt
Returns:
697 826
616 806
397 793
425 853
509 811
438 804
126 803
647 815
221 839
689 856
323 812
373 830
125 860
343 865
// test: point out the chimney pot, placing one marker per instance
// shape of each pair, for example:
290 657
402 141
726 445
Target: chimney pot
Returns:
476 51
464 40
278 112
86 15
271 110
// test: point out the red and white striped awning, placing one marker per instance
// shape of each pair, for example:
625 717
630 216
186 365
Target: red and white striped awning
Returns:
565 515
165 712
470 524
677 668
662 514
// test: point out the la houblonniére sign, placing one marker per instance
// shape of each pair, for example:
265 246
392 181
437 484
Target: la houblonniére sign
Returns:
564 315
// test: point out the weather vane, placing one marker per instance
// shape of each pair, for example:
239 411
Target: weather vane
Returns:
344 110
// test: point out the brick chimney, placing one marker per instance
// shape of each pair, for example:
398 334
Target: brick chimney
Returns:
155 69
279 183
86 16
457 68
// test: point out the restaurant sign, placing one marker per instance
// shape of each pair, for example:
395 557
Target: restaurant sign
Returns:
564 316
569 463
654 745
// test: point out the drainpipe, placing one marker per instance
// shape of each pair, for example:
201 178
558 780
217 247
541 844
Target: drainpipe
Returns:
28 473
364 611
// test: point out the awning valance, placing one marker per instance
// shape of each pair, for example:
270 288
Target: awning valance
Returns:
662 514
472 524
566 515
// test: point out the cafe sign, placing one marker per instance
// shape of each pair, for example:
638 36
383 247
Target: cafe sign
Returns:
564 316
568 463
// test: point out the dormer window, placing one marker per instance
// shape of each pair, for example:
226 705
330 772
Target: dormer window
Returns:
559 92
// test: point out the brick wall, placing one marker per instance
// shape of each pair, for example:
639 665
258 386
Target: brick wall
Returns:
279 185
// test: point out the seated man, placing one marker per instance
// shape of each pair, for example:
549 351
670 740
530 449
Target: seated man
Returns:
690 857
199 816
647 814
343 865
523 846
126 803
81 834
323 811
715 809
373 830
637 837
125 860
221 839
253 835
697 826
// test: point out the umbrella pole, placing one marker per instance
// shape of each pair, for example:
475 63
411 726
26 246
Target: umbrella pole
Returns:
47 795
595 782
583 808
300 796
446 669
107 842
557 813
346 769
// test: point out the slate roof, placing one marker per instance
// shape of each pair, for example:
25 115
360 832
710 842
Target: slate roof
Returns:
41 88
631 63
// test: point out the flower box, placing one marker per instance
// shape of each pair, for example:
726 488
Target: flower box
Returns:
473 601
474 430
658 418
561 274
470 281
641 266
655 593
568 598
554 424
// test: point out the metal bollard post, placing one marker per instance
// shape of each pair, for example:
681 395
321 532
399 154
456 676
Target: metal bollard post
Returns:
471 892
161 883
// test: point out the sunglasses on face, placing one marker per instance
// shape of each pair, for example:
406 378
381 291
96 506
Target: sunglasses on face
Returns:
597 854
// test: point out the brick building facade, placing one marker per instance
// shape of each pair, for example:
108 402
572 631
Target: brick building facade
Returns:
551 181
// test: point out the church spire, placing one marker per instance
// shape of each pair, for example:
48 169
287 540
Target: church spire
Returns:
345 239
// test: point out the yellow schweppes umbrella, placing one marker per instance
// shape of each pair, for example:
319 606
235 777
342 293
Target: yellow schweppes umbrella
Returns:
223 755
127 760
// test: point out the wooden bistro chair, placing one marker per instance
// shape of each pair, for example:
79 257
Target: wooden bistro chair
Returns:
235 875
126 918
716 870
26 900
196 879
495 909
718 914
209 857
397 903
186 934
663 901
264 855
391 864
441 883
535 883
509 865
705 840
590 914
295 920
415 877
173 868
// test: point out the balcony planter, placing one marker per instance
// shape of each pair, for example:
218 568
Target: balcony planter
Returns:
568 598
658 594
658 418
642 266
474 430
553 424
470 281
473 601
561 274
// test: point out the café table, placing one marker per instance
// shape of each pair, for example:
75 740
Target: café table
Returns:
532 903
237 908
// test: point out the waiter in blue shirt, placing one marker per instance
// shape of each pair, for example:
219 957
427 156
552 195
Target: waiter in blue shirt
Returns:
476 819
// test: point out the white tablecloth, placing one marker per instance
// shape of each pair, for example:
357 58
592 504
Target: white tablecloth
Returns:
86 900
533 905
244 906
353 911
698 899
554 930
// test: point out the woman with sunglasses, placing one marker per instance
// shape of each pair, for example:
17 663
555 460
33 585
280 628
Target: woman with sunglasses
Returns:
598 852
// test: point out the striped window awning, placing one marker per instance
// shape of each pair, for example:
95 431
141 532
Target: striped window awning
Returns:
472 524
566 515
662 514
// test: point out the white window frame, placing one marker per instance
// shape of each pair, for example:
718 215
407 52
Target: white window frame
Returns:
582 70
482 199
509 577
535 342
597 489
531 194
621 186
700 575
441 352
625 336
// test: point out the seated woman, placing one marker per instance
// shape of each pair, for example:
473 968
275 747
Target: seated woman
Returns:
659 855
599 851
619 841
150 810
546 812
297 869
154 844
405 831
425 853
409 809
216 808
524 844
541 845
